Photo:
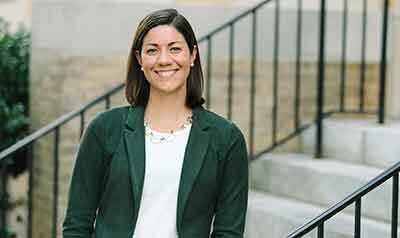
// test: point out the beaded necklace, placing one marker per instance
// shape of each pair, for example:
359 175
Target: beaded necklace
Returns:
157 137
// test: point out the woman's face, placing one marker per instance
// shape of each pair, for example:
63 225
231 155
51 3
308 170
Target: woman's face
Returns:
165 59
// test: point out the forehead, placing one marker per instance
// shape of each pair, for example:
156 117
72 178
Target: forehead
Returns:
163 34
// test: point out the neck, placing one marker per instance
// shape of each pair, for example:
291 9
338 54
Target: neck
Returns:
166 113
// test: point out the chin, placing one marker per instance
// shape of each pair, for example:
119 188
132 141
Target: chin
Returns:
169 89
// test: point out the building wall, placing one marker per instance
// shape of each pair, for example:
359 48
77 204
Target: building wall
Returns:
20 11
16 12
393 109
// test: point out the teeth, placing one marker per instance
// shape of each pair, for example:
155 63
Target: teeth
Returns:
166 73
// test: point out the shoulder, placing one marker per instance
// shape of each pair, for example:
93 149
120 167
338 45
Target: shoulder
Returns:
113 113
109 118
107 126
225 133
220 125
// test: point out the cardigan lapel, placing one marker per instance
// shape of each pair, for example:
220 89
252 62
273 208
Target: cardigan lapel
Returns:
135 145
194 156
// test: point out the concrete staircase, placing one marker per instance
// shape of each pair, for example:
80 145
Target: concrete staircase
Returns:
289 189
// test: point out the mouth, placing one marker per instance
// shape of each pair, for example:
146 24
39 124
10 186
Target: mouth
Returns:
165 73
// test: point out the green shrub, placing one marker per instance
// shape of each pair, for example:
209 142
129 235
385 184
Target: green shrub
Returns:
14 73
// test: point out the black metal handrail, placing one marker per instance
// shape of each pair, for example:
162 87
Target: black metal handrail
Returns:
59 122
28 142
230 25
391 173
355 197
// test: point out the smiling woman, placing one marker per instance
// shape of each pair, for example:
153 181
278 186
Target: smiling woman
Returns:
166 60
163 166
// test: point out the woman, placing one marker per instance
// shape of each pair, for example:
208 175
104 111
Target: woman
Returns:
192 178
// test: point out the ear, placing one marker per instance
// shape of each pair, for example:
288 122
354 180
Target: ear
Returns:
138 58
194 54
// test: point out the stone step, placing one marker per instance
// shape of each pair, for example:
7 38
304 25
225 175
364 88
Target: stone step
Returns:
320 181
271 216
357 141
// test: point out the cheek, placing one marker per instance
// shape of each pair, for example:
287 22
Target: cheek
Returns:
183 62
148 62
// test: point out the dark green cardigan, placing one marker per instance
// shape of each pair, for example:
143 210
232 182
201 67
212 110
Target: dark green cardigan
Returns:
107 180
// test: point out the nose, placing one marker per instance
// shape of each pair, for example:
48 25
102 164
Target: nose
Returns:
164 58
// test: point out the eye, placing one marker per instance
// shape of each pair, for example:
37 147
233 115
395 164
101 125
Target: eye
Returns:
175 49
151 51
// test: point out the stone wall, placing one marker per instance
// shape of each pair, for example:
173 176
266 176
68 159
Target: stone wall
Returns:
60 87
96 78
393 108
286 95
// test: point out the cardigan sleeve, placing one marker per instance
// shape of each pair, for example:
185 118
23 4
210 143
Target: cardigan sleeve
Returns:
231 207
86 183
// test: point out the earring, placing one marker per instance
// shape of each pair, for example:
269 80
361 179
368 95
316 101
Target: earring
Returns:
141 68
192 64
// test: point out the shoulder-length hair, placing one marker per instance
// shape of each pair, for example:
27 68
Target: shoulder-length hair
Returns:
137 87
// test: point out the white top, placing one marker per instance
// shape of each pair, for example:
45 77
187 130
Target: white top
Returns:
157 212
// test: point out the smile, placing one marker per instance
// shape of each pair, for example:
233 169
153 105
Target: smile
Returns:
166 73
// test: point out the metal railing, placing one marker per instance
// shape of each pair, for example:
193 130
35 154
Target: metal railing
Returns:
391 173
231 25
356 198
28 143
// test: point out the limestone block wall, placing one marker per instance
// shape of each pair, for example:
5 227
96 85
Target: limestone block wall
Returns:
77 54
286 95
61 86
99 81
393 108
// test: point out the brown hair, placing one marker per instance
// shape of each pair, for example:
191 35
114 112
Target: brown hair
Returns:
137 88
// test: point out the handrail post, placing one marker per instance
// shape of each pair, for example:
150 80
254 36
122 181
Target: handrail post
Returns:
363 55
320 81
395 205
275 86
108 103
230 68
320 230
382 70
3 198
82 114
55 182
357 219
297 87
30 189
209 72
253 79
343 63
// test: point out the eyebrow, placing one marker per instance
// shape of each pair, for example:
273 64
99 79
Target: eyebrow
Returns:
169 44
